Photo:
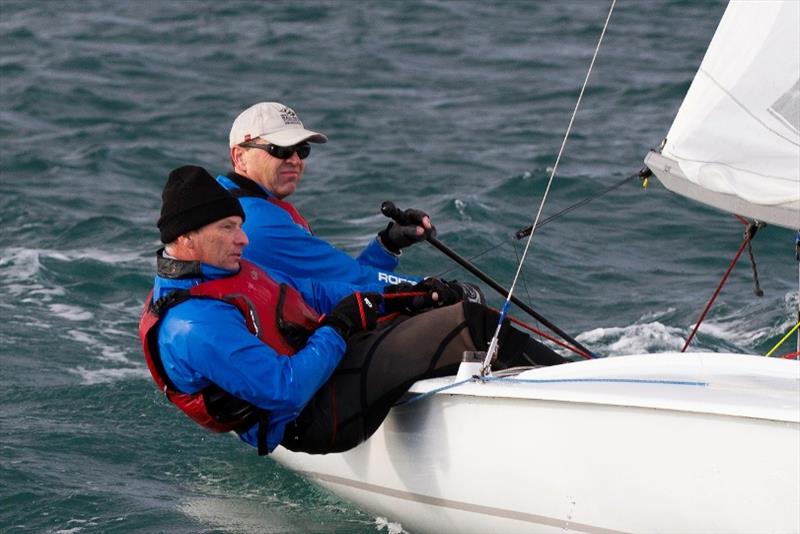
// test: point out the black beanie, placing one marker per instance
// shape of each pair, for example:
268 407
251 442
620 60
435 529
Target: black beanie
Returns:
192 198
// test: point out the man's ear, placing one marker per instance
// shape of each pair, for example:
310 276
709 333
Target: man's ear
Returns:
237 158
187 241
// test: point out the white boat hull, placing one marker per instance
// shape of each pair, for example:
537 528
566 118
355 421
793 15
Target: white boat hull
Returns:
700 449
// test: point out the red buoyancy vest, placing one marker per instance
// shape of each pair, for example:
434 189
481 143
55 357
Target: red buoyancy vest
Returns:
276 313
292 211
248 188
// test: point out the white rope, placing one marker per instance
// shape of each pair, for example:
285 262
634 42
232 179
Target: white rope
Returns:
493 345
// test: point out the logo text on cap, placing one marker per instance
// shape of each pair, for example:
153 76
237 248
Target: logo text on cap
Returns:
289 116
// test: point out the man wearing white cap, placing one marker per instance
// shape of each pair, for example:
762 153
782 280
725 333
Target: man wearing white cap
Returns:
268 147
237 349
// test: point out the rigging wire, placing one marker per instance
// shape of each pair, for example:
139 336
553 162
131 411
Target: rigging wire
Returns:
524 279
555 340
643 174
523 232
493 345
749 233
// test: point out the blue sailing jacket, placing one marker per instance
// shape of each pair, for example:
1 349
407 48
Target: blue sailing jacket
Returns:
205 341
279 242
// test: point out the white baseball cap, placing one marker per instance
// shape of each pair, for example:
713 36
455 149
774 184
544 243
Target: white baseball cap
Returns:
273 121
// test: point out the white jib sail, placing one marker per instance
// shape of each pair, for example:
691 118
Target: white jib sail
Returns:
736 138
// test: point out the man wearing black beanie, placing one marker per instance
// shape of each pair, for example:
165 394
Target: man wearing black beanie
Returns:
216 330
191 199
238 349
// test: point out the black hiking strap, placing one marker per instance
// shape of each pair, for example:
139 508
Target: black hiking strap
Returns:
364 375
443 345
361 414
263 427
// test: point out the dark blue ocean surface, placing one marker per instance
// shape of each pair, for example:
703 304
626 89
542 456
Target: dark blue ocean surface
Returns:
455 107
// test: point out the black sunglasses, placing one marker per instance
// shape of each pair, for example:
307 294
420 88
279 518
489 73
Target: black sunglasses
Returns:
282 152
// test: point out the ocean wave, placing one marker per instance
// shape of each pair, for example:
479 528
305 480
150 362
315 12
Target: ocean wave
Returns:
90 377
24 263
633 339
104 350
71 312
753 329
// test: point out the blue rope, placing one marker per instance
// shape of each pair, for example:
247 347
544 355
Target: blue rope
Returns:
477 378
611 380
420 396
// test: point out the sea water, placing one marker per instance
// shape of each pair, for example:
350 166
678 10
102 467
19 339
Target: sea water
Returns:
454 107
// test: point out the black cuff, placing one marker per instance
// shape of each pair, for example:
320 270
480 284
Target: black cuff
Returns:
341 324
387 243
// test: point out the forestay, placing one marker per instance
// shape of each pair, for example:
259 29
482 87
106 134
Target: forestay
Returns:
735 142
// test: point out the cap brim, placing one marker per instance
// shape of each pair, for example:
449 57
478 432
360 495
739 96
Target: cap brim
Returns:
292 136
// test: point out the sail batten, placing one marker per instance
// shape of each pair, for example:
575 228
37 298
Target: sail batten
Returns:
735 142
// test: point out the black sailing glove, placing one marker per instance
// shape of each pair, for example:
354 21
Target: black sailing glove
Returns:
426 295
355 313
397 236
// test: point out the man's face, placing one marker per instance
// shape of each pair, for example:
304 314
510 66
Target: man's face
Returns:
220 243
278 176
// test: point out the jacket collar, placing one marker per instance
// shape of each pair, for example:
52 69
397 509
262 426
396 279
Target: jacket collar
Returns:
247 185
175 274
183 270
171 268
